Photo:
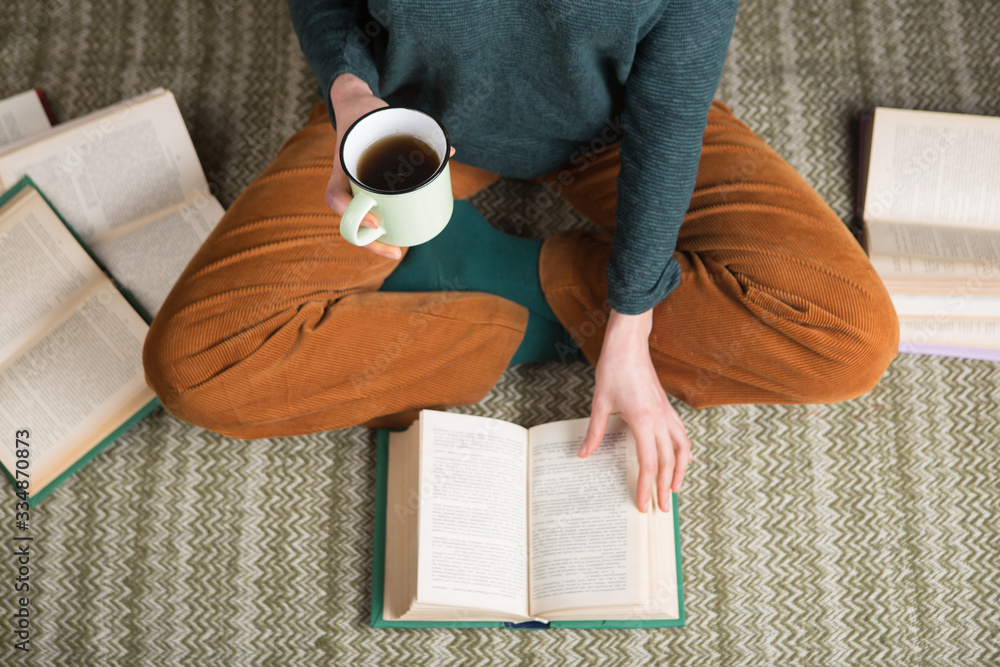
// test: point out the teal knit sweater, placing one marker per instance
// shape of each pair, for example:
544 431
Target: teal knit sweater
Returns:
526 86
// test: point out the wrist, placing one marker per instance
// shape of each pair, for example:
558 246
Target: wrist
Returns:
632 326
348 85
626 336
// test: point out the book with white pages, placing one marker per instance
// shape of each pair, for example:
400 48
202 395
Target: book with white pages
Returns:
481 522
929 199
128 181
71 374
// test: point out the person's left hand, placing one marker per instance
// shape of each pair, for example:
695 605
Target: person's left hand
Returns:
627 384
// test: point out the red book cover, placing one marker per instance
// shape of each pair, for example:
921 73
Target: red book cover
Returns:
45 105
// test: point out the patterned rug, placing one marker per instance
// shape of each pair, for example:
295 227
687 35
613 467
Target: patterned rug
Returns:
865 533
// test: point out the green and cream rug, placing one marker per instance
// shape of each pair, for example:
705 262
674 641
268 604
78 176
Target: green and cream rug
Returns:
863 533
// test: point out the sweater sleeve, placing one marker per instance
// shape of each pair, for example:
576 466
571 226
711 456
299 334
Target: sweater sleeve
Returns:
670 87
335 36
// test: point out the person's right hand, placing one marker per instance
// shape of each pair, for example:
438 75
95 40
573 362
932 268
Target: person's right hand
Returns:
352 98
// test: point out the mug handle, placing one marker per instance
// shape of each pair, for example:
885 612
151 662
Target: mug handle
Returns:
350 222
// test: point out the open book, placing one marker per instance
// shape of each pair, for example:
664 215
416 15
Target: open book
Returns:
485 521
930 187
70 347
128 182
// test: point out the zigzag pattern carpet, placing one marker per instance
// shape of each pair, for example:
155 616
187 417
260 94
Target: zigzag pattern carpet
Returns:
863 533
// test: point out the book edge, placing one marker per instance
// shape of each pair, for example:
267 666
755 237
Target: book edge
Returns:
378 549
79 121
112 437
957 351
35 499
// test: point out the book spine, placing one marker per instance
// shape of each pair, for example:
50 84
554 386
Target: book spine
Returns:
45 105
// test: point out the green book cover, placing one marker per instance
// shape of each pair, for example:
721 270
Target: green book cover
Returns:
378 570
40 495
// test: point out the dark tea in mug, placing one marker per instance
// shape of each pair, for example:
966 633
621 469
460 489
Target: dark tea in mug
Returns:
397 162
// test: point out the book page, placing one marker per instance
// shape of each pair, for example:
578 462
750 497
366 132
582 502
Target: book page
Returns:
966 245
934 168
473 513
22 116
43 270
401 524
587 546
984 333
129 163
935 276
663 600
966 302
76 384
148 260
933 271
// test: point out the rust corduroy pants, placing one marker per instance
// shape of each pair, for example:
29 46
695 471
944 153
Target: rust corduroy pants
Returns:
276 326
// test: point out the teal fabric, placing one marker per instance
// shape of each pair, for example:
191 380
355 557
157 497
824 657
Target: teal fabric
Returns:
473 256
527 86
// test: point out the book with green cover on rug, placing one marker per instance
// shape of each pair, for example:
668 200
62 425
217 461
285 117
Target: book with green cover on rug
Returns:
472 513
71 376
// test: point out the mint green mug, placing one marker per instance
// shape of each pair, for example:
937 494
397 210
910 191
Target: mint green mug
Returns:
412 214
